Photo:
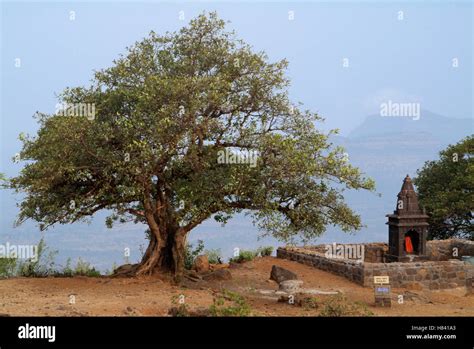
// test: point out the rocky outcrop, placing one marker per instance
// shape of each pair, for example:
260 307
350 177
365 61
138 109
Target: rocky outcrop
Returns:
280 274
218 275
201 264
291 286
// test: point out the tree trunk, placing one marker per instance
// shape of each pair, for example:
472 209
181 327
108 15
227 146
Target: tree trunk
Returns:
165 253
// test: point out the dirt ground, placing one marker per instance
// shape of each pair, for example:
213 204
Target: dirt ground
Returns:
153 297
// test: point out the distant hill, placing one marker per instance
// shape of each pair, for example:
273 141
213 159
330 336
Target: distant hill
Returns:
441 128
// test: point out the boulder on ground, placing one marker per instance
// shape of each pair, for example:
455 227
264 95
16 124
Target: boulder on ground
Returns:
201 264
291 286
219 274
125 270
280 274
219 266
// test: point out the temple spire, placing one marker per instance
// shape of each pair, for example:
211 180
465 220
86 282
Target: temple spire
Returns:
407 200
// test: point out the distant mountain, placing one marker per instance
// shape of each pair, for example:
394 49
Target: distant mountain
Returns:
441 128
389 147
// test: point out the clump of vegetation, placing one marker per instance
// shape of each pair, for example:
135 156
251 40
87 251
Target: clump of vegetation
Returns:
265 251
7 267
249 255
244 256
191 254
309 303
179 309
68 270
214 256
42 266
300 300
85 269
338 305
230 304
82 268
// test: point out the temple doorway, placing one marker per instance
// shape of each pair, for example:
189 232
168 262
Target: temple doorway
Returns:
412 242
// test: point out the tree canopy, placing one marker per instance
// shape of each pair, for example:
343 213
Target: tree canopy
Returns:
164 114
446 190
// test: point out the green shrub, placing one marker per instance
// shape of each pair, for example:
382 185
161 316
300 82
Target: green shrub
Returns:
8 267
338 305
67 270
179 309
191 254
43 265
230 304
265 251
244 256
247 256
85 269
310 303
82 268
214 256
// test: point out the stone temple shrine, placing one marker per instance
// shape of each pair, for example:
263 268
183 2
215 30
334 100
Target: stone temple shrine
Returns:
407 227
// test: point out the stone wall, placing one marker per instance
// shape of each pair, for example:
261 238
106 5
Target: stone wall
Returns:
352 270
375 252
442 250
436 250
421 275
433 275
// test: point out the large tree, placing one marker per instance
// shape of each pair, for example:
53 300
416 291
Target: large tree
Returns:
166 112
446 190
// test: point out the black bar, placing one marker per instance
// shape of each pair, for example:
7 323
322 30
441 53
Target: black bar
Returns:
223 332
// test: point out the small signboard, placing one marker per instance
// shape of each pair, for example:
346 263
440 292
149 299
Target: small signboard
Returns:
381 280
382 291
383 297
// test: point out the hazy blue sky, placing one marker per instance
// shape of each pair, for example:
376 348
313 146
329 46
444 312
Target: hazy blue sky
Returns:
388 58
403 60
